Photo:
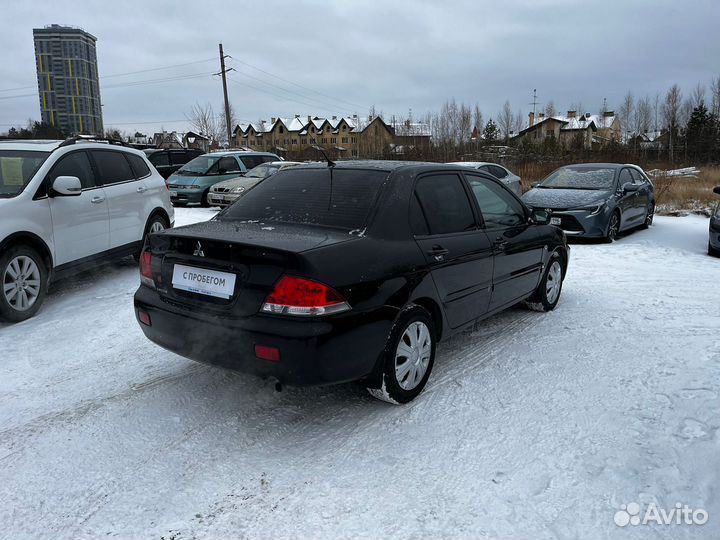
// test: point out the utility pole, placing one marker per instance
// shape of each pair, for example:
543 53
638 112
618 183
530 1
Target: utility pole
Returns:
227 103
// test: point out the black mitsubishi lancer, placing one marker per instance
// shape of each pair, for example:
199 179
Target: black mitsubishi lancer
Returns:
328 273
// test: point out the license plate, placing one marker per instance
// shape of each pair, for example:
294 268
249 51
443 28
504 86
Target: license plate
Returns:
203 281
555 221
173 193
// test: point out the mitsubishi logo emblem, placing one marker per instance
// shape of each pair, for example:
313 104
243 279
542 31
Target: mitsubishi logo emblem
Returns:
198 250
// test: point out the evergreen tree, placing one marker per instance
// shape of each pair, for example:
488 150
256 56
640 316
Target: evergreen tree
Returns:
490 133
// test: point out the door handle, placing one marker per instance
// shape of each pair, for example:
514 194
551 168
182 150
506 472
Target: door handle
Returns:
438 252
500 243
141 189
97 199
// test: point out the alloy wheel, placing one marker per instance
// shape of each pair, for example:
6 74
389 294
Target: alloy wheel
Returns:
21 283
412 355
613 227
157 226
650 215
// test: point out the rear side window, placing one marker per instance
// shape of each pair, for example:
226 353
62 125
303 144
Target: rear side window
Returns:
159 159
418 223
180 157
74 164
445 204
112 167
139 166
497 172
326 197
253 161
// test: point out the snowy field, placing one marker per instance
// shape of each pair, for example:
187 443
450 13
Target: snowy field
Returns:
532 425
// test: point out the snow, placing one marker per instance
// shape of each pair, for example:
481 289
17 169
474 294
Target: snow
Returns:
533 425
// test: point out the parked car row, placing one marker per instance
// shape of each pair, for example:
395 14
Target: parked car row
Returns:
714 233
191 183
227 192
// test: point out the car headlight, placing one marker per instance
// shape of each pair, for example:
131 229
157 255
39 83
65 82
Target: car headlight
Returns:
594 209
239 189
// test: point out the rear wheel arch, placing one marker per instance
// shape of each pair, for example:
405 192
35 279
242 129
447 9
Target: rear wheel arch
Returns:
435 313
158 212
564 259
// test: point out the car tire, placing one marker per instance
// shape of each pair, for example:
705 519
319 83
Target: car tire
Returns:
408 358
24 268
649 216
547 295
613 227
156 223
204 199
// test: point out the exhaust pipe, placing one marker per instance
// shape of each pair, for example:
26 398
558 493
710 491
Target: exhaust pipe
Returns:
276 384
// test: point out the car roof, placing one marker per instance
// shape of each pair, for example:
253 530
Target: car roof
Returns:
474 164
594 165
29 144
238 153
410 167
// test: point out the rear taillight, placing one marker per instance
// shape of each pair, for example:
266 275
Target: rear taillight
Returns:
298 296
146 275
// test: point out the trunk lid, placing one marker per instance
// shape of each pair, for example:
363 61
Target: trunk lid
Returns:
256 254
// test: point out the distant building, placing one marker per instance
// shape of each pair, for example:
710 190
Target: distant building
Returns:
68 84
343 137
572 130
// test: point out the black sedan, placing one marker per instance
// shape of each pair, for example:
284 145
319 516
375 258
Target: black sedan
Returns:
353 271
714 239
596 200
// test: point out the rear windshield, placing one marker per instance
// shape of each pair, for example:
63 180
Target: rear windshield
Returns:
327 197
17 167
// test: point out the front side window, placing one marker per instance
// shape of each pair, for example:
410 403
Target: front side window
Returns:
499 208
316 196
625 177
17 167
74 164
445 204
112 167
179 158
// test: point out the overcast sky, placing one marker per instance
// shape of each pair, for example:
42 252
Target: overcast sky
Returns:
349 55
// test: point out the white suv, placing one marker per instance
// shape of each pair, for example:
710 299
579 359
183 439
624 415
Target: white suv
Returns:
67 204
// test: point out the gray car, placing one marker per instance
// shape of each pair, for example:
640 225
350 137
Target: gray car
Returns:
714 240
498 171
225 193
596 200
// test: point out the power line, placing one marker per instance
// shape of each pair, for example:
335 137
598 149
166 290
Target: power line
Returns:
264 90
124 74
298 85
323 103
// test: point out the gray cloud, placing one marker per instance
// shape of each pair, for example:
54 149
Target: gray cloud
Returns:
396 55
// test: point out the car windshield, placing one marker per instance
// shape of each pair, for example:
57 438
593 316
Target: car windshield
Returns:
200 165
262 171
326 197
580 178
17 167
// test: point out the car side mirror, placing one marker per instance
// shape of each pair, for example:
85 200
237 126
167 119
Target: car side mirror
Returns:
66 186
536 184
629 187
540 217
716 190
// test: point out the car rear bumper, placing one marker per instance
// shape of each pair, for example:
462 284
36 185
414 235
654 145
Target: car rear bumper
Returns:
312 351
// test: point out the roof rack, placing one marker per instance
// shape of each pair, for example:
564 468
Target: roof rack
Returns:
90 138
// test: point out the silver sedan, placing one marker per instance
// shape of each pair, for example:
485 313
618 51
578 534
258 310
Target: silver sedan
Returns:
225 193
498 171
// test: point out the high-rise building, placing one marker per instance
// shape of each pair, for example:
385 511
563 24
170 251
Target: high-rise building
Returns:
68 79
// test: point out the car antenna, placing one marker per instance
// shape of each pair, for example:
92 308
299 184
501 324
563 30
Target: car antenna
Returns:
320 149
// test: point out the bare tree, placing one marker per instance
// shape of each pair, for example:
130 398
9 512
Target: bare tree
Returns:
519 123
478 117
715 99
550 109
204 120
626 111
671 115
233 122
642 117
505 120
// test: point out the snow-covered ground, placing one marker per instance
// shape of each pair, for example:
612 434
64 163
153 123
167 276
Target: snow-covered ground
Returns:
532 425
